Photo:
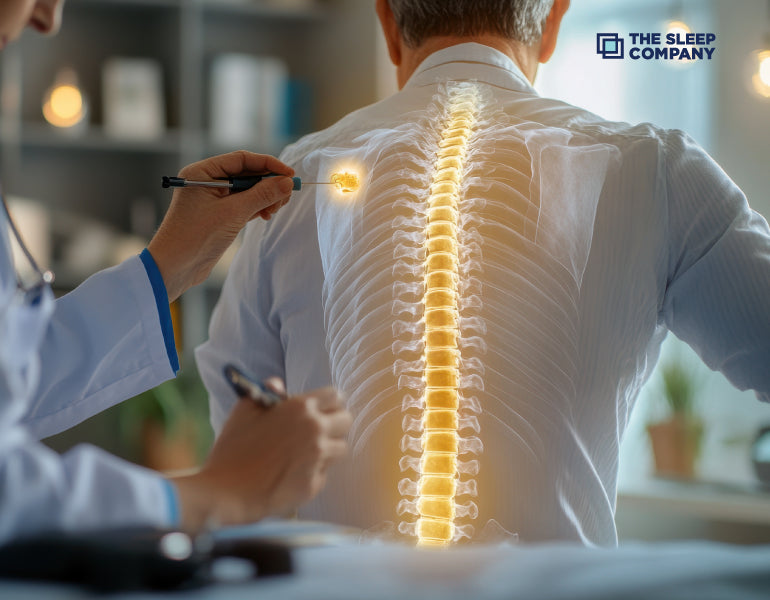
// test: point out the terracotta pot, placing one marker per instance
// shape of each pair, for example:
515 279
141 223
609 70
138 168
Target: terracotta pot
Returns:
675 446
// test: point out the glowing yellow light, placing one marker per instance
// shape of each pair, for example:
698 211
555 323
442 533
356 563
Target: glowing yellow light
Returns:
346 182
66 102
677 28
764 68
758 72
64 108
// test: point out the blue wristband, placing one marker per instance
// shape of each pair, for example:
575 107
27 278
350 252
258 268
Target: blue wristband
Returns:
172 502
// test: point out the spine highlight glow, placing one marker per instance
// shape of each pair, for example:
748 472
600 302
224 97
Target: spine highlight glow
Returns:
437 486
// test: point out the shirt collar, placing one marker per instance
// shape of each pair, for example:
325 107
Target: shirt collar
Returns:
470 61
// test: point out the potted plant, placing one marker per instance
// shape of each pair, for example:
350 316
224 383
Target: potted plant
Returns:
676 440
167 426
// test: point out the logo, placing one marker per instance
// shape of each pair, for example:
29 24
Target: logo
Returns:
609 45
672 46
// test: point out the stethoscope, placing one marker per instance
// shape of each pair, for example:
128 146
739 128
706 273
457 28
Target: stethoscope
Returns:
33 292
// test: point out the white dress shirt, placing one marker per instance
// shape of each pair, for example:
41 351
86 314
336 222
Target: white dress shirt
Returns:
582 241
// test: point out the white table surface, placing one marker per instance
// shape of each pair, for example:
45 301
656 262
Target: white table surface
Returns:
533 572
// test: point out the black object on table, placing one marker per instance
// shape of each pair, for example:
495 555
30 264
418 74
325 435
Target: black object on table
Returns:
134 559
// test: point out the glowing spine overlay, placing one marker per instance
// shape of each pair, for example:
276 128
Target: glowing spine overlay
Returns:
435 503
523 203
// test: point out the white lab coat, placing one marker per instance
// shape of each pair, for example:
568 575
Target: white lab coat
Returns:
62 361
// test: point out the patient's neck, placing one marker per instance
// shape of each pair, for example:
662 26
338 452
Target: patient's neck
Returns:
525 57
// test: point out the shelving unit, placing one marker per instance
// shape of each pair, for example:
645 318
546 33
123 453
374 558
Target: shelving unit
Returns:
329 45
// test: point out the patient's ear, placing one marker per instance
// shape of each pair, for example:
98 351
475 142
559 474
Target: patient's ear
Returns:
551 29
390 29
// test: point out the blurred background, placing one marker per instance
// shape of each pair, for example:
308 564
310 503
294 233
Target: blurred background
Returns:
131 90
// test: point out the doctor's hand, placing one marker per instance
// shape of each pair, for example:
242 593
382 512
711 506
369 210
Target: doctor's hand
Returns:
201 223
266 461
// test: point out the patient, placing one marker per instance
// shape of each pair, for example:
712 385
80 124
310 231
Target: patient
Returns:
496 292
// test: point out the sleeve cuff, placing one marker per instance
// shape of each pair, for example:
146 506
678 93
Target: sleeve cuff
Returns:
161 301
172 502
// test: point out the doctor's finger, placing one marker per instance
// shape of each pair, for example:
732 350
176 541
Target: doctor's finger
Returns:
267 213
242 162
337 424
328 399
268 194
332 450
276 384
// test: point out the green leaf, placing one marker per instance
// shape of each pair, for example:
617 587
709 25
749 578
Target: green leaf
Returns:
679 387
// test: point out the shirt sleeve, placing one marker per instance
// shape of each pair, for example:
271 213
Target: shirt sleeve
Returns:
102 344
83 489
105 343
241 331
719 268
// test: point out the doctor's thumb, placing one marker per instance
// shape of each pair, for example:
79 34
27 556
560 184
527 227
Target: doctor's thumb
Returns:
267 196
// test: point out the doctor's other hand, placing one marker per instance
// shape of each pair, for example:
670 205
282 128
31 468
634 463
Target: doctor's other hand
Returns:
201 223
266 461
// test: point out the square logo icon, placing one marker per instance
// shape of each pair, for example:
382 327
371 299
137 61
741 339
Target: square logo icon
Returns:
609 45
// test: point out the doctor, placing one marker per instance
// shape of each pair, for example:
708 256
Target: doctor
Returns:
65 360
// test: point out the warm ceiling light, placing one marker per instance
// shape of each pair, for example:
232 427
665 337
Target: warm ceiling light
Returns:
764 68
677 27
680 29
757 69
64 105
759 72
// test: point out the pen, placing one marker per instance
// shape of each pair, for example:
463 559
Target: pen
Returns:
234 184
248 387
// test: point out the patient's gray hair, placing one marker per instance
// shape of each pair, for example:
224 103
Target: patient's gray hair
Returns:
521 20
